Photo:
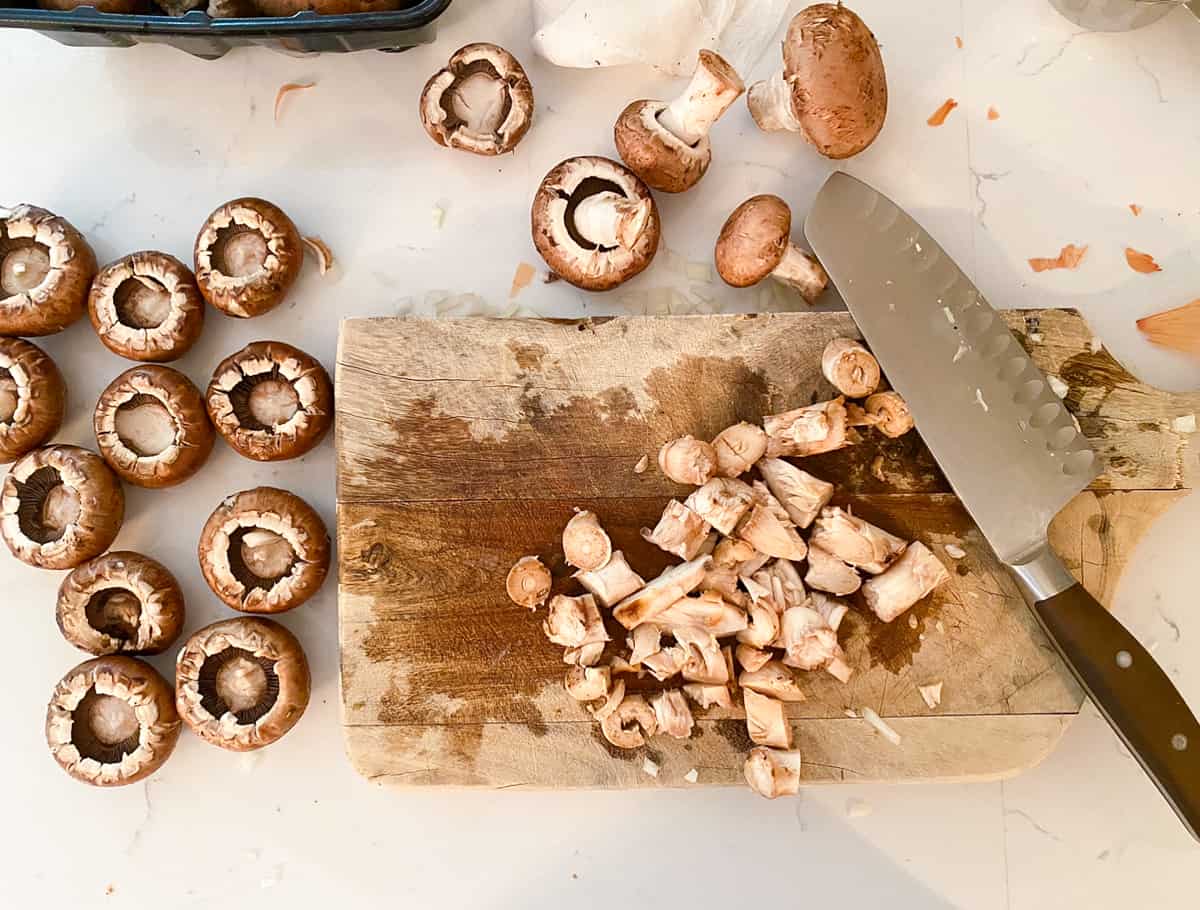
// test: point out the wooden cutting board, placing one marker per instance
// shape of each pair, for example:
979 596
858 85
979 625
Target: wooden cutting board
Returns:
463 445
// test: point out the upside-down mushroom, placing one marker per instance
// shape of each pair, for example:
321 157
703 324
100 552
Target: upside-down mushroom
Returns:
585 544
588 683
672 714
755 242
708 696
765 720
247 256
738 449
913 576
773 772
850 367
688 460
612 582
146 306
768 534
33 398
828 573
481 101
46 267
680 531
800 493
774 679
854 541
709 611
889 414
750 657
574 621
528 582
809 430
628 726
659 593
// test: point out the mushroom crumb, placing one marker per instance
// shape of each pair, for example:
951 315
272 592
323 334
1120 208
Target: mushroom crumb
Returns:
642 464
932 693
650 767
954 551
938 117
286 89
692 776
321 251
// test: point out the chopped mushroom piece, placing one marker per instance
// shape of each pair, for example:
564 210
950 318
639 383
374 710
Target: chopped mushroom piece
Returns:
644 641
574 621
809 430
855 541
672 714
680 531
628 726
739 556
585 655
890 414
706 696
832 610
787 589
661 592
801 494
528 582
588 683
765 721
614 698
913 576
721 502
773 679
642 464
828 573
752 658
45 269
773 772
705 662
613 582
666 663
738 449
763 530
724 581
708 611
932 694
480 102
763 627
688 460
850 368
755 242
585 544
810 644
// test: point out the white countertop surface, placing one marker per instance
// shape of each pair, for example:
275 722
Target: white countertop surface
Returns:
136 146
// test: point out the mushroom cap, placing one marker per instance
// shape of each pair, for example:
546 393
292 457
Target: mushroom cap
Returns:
279 512
528 582
84 595
569 255
654 153
263 286
33 398
123 290
87 757
447 128
60 297
286 683
193 434
92 487
230 401
753 240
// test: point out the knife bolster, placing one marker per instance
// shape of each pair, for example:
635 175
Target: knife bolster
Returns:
1042 576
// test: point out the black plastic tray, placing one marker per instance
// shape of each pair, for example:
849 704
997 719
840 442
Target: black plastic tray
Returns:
200 36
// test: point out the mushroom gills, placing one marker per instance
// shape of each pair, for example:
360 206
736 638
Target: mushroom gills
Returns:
47 506
600 216
237 682
104 728
115 612
259 558
142 303
239 252
479 101
24 264
145 426
10 396
264 401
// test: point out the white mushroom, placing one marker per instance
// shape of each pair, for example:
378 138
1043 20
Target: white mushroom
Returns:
798 491
574 621
706 696
889 414
809 430
588 683
680 531
708 611
613 582
764 531
828 573
751 658
763 627
672 714
739 448
585 544
855 541
687 460
833 611
850 368
721 502
913 576
630 723
614 698
765 721
773 772
528 582
738 555
773 679
658 594
705 662
584 655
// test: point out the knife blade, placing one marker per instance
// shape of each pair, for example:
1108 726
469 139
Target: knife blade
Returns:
1010 449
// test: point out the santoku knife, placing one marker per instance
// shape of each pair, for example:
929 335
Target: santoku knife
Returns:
1010 450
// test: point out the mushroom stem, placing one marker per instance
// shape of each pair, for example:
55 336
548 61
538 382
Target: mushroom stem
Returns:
801 271
770 103
609 219
714 87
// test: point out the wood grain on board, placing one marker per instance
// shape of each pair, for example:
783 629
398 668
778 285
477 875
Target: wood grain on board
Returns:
463 445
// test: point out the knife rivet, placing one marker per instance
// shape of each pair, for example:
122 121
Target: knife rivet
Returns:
1124 660
1179 742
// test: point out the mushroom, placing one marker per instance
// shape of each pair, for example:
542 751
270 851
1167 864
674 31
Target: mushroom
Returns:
706 696
832 610
270 401
708 611
528 582
242 683
774 679
665 663
679 531
111 721
594 222
763 627
612 582
33 398
588 683
614 698
828 573
288 8
752 658
787 588
768 534
738 448
248 254
643 641
765 721
658 594
585 655
585 544
151 427
672 715
773 772
264 550
913 576
121 602
832 88
755 242
739 556
705 662
855 541
889 414
630 723
723 580
809 430
801 494
666 144
574 621
61 505
481 101
146 306
45 269
810 644
721 502
850 368
688 460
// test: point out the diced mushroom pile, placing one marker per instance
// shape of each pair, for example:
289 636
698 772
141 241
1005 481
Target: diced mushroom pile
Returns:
741 612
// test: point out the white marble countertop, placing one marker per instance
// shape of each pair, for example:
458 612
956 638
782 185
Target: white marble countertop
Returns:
137 146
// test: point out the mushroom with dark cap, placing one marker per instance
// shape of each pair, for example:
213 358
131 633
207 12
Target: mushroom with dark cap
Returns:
61 505
248 254
33 398
264 551
594 222
270 401
111 721
146 306
480 102
755 242
666 144
121 602
242 683
45 269
151 427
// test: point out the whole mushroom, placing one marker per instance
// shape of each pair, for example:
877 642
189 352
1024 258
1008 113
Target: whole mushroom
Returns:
480 102
755 242
248 254
45 269
33 398
146 306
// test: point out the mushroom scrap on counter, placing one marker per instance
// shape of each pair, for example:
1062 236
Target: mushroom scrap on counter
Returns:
146 306
248 254
33 398
45 269
480 102
755 242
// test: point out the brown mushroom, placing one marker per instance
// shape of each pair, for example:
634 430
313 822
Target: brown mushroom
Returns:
33 398
151 427
688 460
288 8
111 721
594 222
585 544
242 683
45 269
146 306
889 414
850 368
832 88
61 506
738 448
248 254
528 582
101 6
264 551
480 102
121 602
270 401
666 144
755 242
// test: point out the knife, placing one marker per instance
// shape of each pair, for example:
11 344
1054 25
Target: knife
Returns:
1010 449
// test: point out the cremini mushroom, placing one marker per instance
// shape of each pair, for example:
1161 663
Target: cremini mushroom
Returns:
528 582
612 582
628 726
850 368
666 143
121 602
738 449
688 460
61 506
45 269
708 611
574 621
594 222
774 679
708 696
481 101
33 398
809 430
242 683
889 414
800 493
722 502
659 593
588 683
151 427
146 306
913 576
773 772
767 533
248 254
750 657
755 242
855 541
270 401
111 721
765 720
832 88
264 550
585 544
828 573
672 715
